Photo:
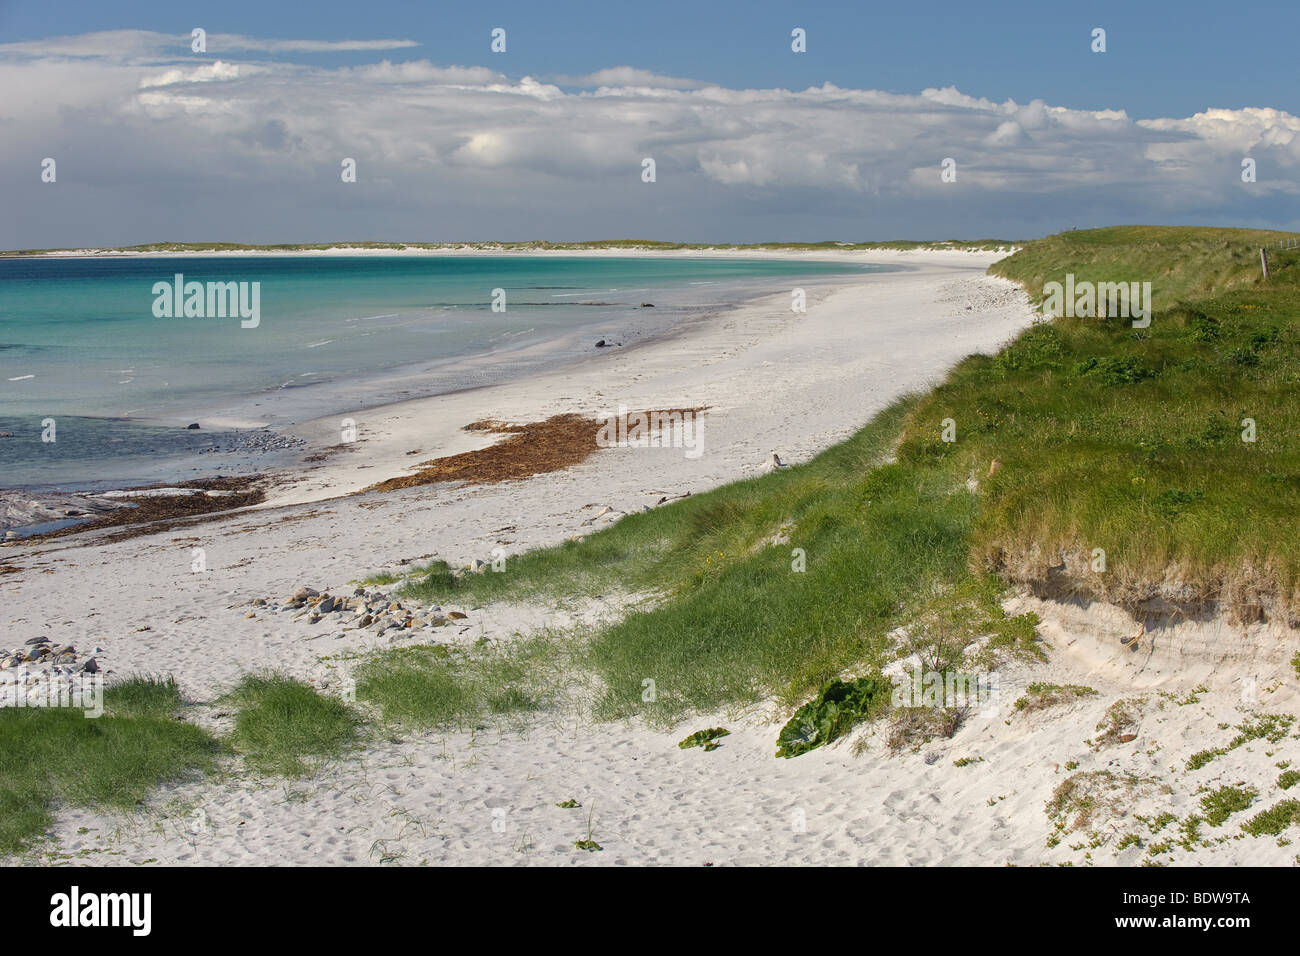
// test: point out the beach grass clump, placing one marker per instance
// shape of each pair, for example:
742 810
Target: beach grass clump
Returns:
286 727
436 686
52 757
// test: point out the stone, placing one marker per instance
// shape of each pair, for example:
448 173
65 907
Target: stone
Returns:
457 615
192 426
304 593
90 665
38 640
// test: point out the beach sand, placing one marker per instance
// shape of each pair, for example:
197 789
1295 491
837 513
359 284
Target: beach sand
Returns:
772 381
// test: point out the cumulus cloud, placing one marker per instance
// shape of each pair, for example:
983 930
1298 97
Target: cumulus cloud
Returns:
154 144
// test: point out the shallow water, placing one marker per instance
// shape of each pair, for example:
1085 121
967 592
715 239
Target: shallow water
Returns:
80 342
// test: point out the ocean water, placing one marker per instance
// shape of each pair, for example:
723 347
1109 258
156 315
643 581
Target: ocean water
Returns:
81 343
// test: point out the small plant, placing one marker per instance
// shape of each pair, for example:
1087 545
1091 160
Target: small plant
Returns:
831 714
590 845
705 738
1222 803
1274 820
1120 719
967 761
1289 779
1270 727
569 804
1038 696
1160 822
1128 840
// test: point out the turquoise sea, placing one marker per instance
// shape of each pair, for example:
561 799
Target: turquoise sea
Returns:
80 342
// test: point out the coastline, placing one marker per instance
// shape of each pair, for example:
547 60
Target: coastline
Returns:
772 381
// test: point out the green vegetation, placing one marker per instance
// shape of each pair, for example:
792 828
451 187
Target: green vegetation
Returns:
1274 820
1270 727
435 686
1288 779
59 756
885 543
1130 440
967 761
1089 800
590 845
708 739
1222 803
831 714
285 727
569 804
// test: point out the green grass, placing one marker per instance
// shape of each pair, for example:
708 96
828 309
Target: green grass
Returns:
883 542
56 757
435 686
1129 439
287 728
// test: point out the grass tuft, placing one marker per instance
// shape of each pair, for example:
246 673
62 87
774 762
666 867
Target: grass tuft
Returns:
52 757
287 728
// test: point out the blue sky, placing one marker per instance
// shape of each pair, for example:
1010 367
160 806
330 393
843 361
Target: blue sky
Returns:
244 141
1163 58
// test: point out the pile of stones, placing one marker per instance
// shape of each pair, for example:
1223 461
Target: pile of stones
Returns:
41 655
372 610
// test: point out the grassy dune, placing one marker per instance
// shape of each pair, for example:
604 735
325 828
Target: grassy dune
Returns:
1107 437
1131 440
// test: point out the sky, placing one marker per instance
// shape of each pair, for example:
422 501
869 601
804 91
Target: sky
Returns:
751 141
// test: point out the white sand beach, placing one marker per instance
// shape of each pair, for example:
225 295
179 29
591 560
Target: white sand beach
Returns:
772 381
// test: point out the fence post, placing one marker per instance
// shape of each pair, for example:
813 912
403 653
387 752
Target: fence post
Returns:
1263 260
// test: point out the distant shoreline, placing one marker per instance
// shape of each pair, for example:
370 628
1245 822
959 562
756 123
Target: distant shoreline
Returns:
720 250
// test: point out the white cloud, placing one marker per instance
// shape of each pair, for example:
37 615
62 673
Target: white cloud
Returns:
447 151
629 76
